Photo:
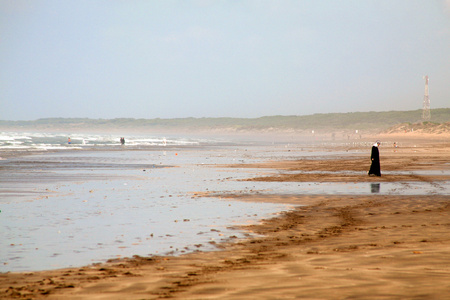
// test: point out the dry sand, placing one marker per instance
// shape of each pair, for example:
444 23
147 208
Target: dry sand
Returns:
336 247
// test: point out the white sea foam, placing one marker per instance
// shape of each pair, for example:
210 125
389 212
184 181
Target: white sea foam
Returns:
49 141
6 138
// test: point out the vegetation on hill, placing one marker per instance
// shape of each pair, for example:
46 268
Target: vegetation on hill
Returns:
373 121
422 127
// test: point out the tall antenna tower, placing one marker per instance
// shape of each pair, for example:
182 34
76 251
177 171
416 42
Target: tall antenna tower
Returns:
426 114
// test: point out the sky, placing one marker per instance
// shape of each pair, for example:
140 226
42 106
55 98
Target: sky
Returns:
236 58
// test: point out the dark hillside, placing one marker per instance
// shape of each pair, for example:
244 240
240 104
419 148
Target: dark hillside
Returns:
368 121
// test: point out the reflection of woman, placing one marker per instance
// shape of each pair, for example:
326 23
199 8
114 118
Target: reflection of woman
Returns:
375 157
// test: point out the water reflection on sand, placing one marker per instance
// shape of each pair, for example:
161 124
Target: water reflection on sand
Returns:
74 208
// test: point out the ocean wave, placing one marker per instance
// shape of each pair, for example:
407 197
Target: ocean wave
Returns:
49 141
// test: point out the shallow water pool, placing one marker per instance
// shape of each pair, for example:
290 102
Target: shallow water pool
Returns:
73 208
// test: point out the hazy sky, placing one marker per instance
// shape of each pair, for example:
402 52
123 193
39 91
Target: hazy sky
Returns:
236 58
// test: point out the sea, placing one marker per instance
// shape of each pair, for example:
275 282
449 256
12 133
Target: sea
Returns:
70 204
38 141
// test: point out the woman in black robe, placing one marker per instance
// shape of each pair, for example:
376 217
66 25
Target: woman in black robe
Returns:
375 157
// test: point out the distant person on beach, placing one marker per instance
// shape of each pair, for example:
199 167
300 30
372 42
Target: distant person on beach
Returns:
69 141
375 157
122 140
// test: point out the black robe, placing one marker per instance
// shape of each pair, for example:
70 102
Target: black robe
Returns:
375 166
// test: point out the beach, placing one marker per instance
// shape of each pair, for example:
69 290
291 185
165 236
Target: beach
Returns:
337 233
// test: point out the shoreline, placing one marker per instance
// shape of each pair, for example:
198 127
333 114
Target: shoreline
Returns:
329 246
395 247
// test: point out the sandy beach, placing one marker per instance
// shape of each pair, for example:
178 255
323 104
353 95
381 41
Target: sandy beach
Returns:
371 246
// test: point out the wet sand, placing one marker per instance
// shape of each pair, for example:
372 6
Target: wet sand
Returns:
329 247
